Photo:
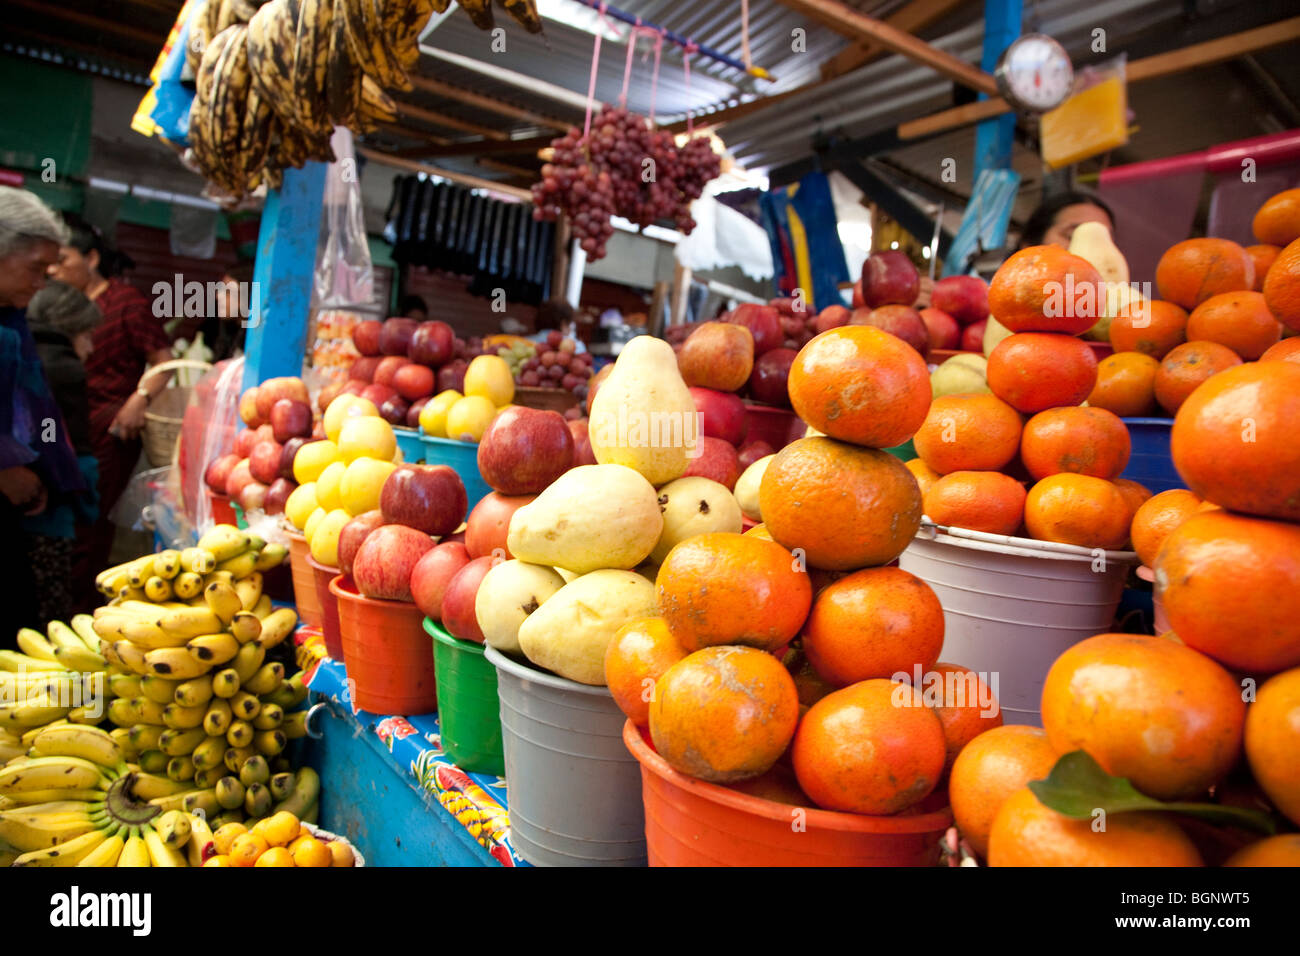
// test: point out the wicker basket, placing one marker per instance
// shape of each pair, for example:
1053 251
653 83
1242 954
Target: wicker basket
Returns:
162 420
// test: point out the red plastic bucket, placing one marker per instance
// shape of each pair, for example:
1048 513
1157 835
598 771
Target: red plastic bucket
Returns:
223 512
692 823
389 657
322 575
304 581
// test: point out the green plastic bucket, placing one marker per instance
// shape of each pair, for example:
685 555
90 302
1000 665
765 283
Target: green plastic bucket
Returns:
468 708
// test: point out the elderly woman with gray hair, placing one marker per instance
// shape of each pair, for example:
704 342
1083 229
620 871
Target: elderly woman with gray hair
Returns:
38 465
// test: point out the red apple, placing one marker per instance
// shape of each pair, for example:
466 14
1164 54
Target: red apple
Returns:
251 496
277 495
328 393
394 410
383 564
264 461
752 451
965 298
831 317
430 498
768 383
524 450
905 323
433 572
414 381
458 615
387 368
972 337
716 459
290 418
274 389
432 344
858 301
264 433
488 523
413 413
378 394
355 386
722 414
365 336
860 316
248 408
452 376
944 331
218 471
599 379
287 451
455 536
763 322
238 477
582 453
353 534
717 355
395 335
244 442
889 278
364 368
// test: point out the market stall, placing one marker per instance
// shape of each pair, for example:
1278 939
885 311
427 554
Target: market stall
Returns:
934 560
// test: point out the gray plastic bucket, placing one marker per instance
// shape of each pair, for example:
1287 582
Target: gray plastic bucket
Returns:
1012 605
574 789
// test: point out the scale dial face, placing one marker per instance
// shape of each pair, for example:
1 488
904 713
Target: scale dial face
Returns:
1035 74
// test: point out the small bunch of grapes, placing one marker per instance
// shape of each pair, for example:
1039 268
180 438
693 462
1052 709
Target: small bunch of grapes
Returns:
624 166
516 355
557 364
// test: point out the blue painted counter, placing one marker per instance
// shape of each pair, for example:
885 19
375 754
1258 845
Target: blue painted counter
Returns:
388 787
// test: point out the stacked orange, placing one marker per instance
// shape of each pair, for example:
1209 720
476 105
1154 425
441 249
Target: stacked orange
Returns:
279 840
796 641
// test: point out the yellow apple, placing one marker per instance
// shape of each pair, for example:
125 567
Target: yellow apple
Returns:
327 486
343 408
313 458
469 418
313 522
362 482
325 542
489 376
367 438
300 504
433 417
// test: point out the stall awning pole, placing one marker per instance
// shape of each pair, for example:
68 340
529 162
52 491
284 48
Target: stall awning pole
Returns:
994 137
276 340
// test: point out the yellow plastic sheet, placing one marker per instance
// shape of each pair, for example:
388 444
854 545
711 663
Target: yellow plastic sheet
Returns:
1090 122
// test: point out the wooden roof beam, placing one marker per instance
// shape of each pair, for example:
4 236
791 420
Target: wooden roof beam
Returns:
451 122
870 31
470 98
913 18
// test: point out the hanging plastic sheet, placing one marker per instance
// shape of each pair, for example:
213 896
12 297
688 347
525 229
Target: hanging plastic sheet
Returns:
984 225
807 252
165 109
344 274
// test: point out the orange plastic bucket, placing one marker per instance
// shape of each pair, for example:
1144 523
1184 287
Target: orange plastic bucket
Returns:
223 512
389 657
692 823
322 575
304 581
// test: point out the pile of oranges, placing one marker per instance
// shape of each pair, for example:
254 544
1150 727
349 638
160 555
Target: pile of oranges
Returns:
1210 710
783 659
277 840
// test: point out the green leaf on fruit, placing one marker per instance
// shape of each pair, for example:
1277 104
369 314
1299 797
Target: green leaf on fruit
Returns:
1077 787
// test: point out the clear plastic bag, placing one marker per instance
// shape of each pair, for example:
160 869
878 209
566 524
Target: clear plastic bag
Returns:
344 275
210 424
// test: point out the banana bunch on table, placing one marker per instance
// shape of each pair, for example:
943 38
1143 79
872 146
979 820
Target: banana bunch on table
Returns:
73 799
274 80
60 675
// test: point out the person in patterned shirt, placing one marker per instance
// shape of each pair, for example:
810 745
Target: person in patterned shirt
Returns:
129 340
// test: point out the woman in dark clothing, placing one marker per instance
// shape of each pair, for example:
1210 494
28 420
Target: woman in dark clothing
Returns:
129 340
62 322
38 467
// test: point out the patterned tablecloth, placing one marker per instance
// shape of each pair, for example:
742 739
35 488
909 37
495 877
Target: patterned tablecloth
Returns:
476 801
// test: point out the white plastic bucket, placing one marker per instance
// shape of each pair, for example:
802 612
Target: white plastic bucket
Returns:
1012 605
574 789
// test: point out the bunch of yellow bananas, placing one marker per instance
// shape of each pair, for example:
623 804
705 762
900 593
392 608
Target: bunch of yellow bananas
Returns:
55 678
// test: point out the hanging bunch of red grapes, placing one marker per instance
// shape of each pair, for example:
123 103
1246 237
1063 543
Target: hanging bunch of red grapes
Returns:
625 167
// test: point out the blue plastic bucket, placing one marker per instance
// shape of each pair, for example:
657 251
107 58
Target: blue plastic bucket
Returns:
1149 462
462 458
410 444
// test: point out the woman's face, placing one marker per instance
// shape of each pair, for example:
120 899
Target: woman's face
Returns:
1067 219
74 267
22 274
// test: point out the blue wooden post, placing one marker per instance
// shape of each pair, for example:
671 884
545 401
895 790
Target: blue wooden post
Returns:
993 137
286 260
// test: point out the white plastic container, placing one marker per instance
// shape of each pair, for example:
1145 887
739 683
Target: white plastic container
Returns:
1012 605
